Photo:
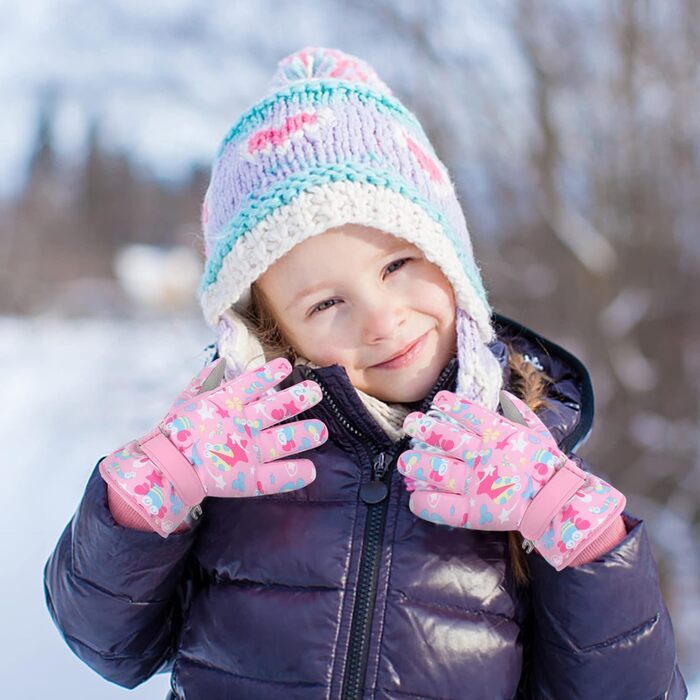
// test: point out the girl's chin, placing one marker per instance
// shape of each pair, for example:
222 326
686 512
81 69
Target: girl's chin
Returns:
404 387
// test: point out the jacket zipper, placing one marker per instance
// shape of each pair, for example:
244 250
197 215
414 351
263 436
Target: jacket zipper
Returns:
375 495
360 629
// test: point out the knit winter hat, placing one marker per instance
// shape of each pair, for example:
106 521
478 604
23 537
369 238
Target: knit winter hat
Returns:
330 145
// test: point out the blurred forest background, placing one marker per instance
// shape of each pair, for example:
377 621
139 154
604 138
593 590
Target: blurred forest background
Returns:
572 131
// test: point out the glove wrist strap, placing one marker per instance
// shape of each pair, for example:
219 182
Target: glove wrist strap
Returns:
551 499
571 510
174 466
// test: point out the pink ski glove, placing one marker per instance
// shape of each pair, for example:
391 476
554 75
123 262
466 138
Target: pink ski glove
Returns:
471 467
213 442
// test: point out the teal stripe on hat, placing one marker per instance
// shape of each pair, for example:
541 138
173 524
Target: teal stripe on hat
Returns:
287 190
314 91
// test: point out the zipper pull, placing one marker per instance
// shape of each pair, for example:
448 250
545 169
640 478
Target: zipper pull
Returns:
375 491
379 466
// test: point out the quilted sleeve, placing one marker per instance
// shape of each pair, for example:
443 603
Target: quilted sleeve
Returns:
602 629
115 593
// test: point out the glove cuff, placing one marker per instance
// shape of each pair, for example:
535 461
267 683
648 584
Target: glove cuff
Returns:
140 479
568 513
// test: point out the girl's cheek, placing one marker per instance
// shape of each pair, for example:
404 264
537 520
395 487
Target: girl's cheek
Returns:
441 297
317 342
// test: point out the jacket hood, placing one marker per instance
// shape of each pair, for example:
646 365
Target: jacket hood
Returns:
570 399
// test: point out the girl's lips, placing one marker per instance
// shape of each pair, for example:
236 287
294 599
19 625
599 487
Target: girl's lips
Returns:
405 358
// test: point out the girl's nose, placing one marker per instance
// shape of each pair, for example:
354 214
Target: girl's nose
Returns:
381 320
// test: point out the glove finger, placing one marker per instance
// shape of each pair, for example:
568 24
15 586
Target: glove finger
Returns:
284 475
409 483
440 507
453 509
474 418
284 404
250 386
290 438
497 432
445 436
447 473
417 444
418 485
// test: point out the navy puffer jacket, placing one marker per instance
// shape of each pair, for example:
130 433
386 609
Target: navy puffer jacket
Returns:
317 593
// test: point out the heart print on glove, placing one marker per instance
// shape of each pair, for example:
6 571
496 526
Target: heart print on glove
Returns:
471 467
218 441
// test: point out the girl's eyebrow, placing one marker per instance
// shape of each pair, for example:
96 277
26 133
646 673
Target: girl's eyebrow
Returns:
305 292
399 245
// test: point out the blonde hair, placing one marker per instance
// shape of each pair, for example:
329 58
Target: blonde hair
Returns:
526 381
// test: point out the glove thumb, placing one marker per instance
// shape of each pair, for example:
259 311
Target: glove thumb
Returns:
517 411
208 378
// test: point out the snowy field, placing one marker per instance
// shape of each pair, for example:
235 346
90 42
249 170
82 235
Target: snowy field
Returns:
73 391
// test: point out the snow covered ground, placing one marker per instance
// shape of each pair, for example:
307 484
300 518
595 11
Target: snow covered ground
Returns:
72 390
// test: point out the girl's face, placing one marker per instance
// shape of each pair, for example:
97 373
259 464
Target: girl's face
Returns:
368 301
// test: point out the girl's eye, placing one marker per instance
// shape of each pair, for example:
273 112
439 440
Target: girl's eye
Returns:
324 305
397 264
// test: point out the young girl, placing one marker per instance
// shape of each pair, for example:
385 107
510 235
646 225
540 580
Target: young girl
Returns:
396 508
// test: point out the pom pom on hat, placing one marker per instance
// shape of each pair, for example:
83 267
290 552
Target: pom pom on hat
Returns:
318 63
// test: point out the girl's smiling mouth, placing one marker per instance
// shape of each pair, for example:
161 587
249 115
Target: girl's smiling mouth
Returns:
406 357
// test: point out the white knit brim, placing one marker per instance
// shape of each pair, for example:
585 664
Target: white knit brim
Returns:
327 206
